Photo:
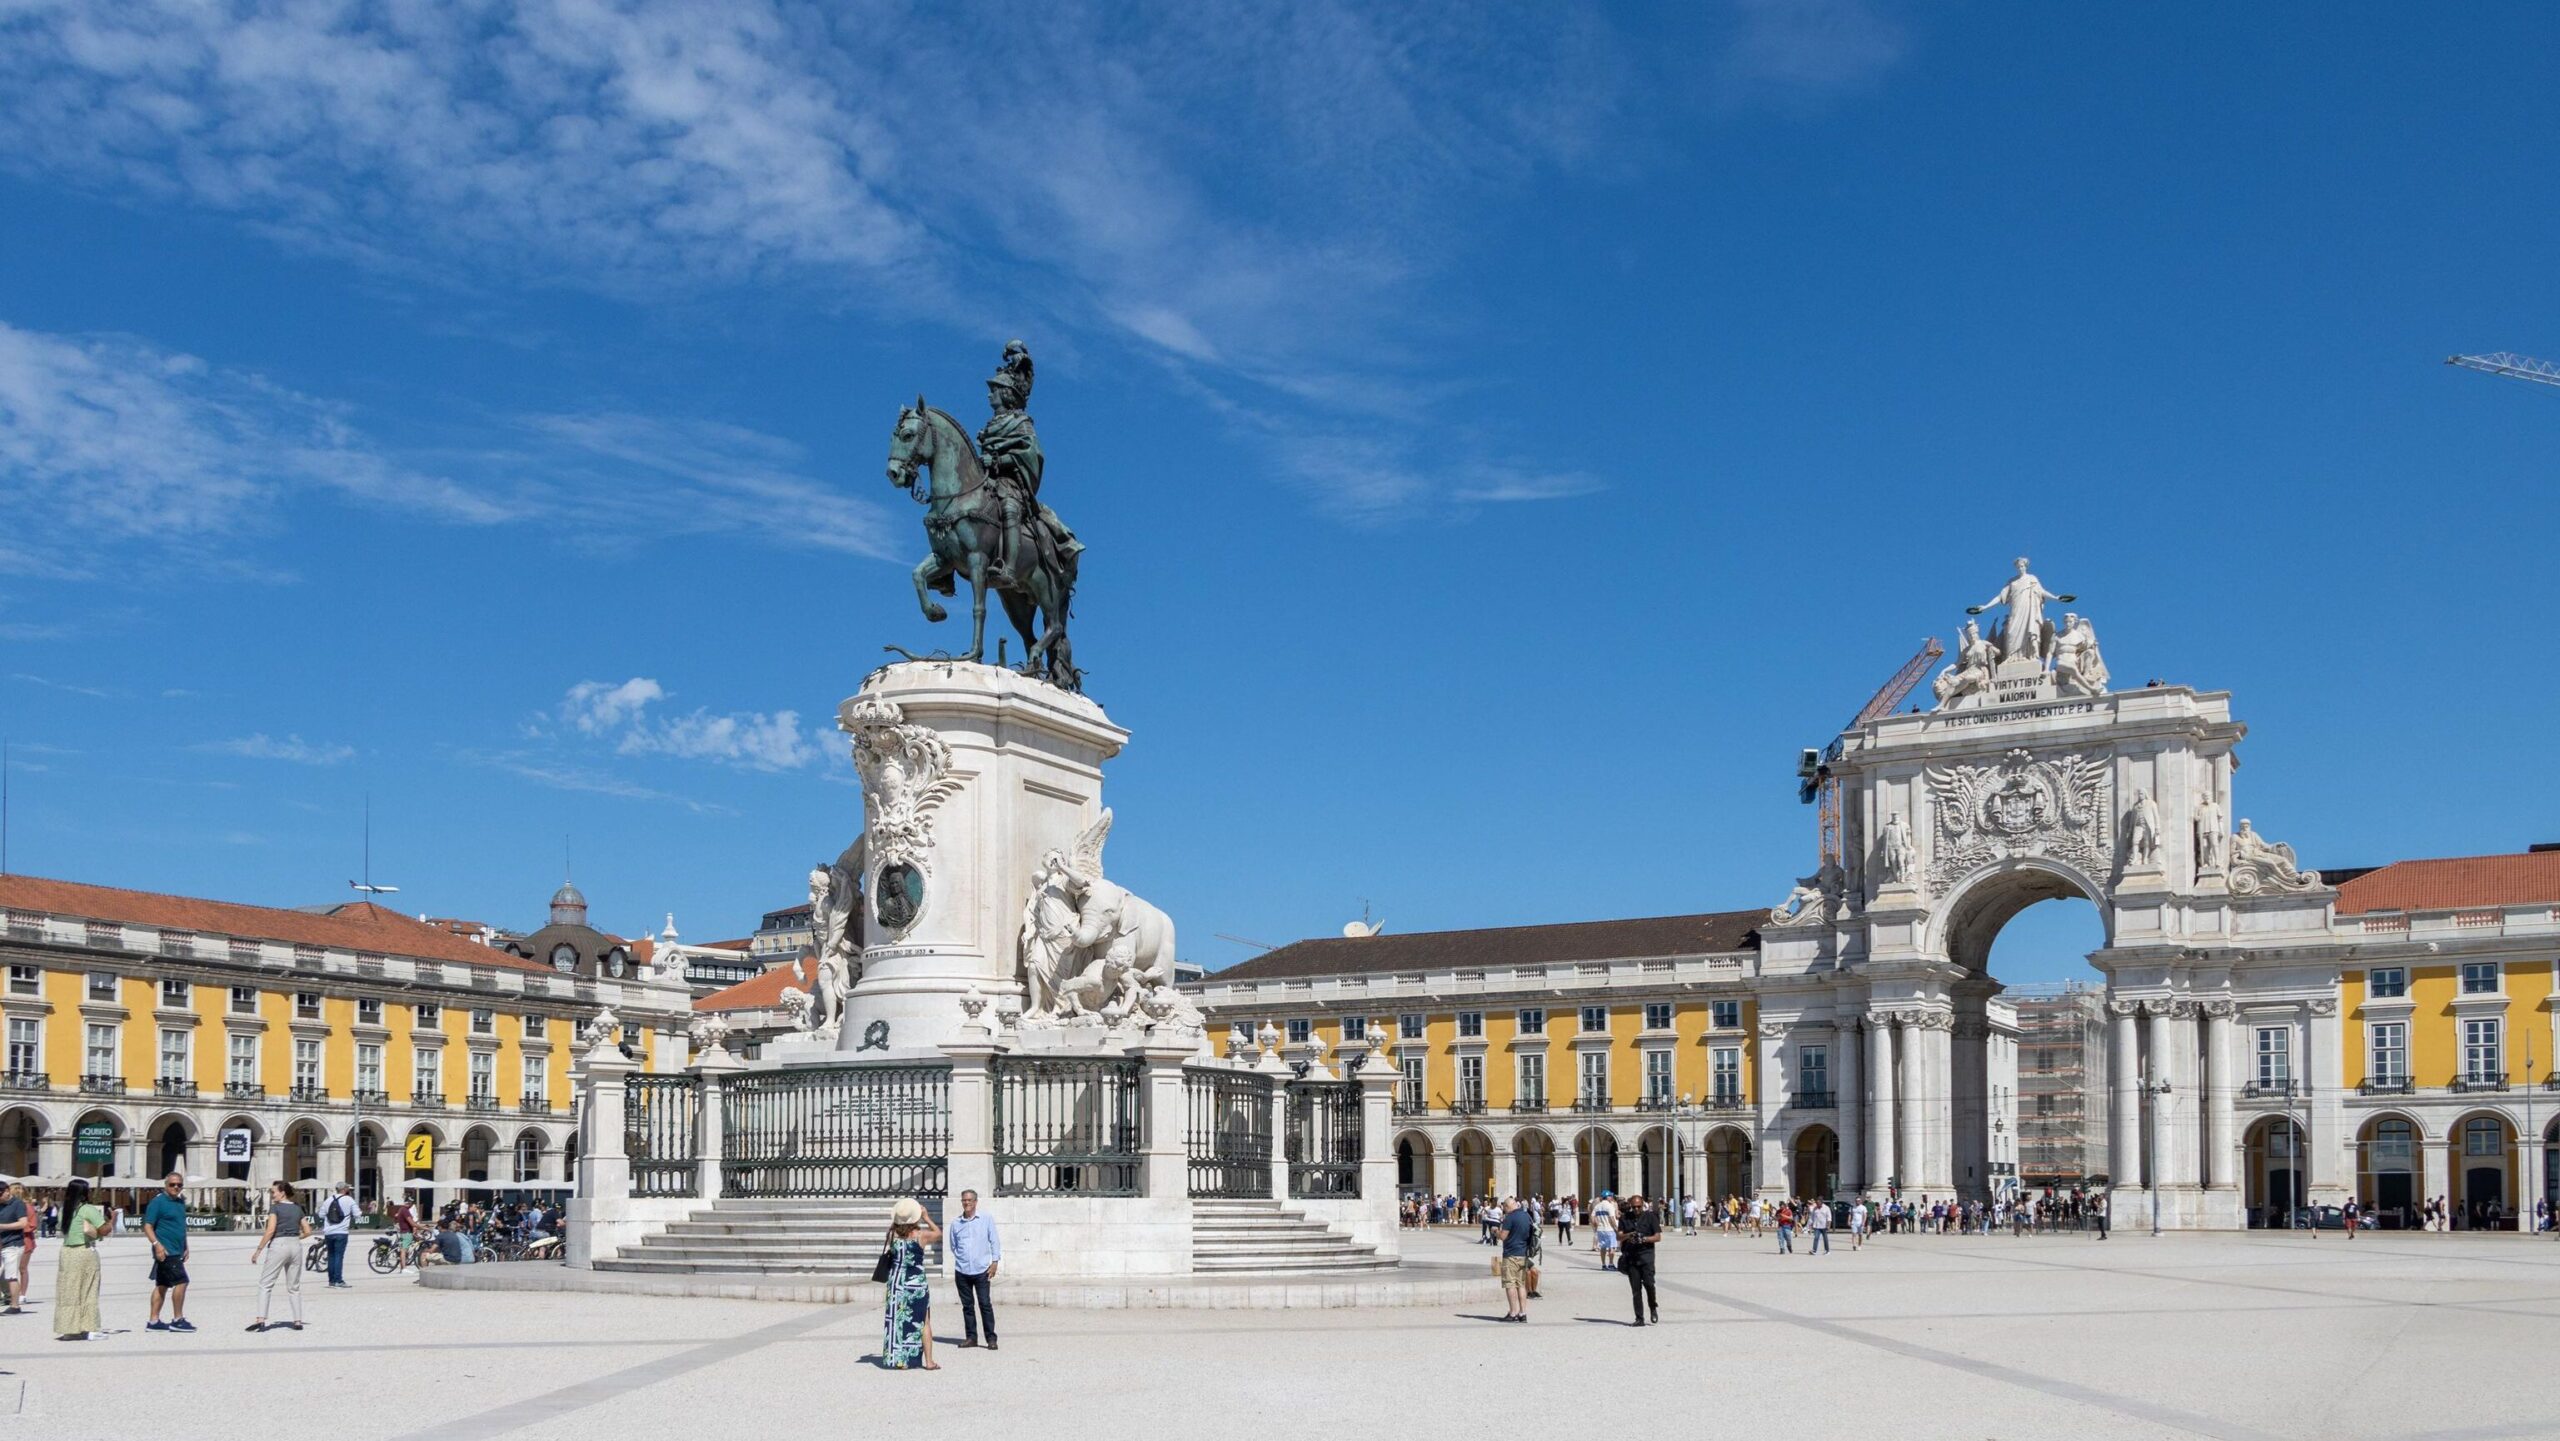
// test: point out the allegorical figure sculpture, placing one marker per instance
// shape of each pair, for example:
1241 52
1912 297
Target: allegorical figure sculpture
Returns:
2261 864
1089 947
2024 635
986 523
1969 674
2213 838
2142 831
1813 898
2076 662
1896 857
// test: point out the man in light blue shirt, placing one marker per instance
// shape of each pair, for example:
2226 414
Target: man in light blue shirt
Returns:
975 1254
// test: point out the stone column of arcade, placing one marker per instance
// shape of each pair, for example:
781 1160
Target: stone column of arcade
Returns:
1849 1093
2172 1046
1910 1150
2220 1091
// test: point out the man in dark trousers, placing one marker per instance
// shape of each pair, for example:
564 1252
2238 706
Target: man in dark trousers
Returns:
976 1251
1639 1231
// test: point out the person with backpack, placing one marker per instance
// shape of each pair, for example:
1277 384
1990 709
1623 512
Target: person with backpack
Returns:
337 1217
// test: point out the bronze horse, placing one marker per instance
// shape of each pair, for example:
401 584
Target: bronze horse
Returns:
964 520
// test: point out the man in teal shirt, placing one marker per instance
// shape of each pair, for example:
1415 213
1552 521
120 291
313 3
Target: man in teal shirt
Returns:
165 1222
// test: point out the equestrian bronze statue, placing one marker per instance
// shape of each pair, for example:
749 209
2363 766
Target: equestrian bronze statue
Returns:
985 521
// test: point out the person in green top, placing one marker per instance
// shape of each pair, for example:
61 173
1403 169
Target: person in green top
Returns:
165 1222
75 1283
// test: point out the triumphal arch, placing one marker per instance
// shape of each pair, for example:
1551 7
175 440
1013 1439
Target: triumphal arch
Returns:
2033 777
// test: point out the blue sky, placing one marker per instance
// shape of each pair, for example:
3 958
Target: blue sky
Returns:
1504 435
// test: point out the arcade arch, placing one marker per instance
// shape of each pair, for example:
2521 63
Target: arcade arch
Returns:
1595 1159
1413 1162
1728 1151
1814 1163
1533 1154
22 1133
1473 1151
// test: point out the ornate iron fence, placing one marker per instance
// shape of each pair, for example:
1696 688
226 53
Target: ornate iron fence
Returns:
836 1131
1324 1140
1228 1133
661 1131
1069 1127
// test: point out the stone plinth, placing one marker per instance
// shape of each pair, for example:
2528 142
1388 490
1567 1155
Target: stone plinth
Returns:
986 772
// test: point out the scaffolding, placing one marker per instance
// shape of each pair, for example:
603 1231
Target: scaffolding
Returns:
2062 1084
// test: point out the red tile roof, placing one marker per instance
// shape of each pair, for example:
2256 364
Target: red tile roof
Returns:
1714 933
758 993
360 926
2455 883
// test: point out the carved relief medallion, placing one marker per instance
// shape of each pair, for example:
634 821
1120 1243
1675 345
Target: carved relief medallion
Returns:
2022 806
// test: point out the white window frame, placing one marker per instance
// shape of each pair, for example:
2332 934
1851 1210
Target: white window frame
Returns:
1813 1069
1300 1029
308 1064
307 1006
1532 1078
244 1000
1471 1025
1725 1015
368 1010
92 1053
1591 1078
2387 1051
1471 1081
1411 1084
1657 1015
26 1046
2387 983
426 1073
369 1066
2274 1052
1594 1021
1412 1026
1355 1028
426 1016
1657 1074
1532 1020
2486 970
1724 1074
240 1059
484 1075
177 1054
26 981
175 993
102 987
2483 1040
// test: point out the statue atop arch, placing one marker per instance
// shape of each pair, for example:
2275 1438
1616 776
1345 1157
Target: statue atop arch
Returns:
2025 656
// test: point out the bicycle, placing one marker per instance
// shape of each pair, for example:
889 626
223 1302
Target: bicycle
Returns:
390 1253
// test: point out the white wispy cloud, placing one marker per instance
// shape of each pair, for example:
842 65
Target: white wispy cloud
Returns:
264 747
561 775
67 687
620 712
108 442
1250 195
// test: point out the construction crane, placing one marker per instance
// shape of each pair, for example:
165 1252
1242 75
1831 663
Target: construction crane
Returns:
1813 771
2507 362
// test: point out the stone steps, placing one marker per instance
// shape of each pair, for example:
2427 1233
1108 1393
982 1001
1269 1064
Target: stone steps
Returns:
1264 1238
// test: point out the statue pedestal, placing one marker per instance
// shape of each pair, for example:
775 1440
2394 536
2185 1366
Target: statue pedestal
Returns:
1024 776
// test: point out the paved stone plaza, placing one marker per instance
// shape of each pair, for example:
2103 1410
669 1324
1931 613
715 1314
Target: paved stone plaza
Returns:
2238 1336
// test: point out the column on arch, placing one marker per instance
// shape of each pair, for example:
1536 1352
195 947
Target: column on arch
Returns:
1881 1119
1849 1090
2172 1036
2124 1095
1910 1150
1506 1165
2220 1092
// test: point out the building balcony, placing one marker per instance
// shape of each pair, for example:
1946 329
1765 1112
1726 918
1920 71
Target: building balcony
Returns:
1411 1106
536 1103
1467 1106
2478 1083
1531 1106
480 1103
24 1081
2387 1086
174 1086
307 1091
427 1103
1813 1101
372 1096
2267 1091
2551 1082
1588 1107
102 1085
244 1090
1657 1103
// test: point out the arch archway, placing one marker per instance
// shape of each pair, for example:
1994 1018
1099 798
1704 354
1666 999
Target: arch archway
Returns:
1728 1163
1813 1163
303 1141
477 1144
1473 1151
2483 1147
22 1130
1413 1162
370 1180
235 1170
2271 1172
1595 1154
2387 1169
1533 1156
528 1154
1654 1153
169 1145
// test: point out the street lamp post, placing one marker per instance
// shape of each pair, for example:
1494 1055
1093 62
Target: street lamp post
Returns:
2152 1089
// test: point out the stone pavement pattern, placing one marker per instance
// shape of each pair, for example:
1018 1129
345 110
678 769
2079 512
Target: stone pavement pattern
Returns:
2234 1336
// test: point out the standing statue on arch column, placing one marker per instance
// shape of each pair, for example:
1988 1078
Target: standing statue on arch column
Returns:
2024 632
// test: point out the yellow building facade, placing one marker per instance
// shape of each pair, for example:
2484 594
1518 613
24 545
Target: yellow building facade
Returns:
143 1033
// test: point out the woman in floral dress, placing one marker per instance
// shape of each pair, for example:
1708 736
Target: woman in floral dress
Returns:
907 1319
